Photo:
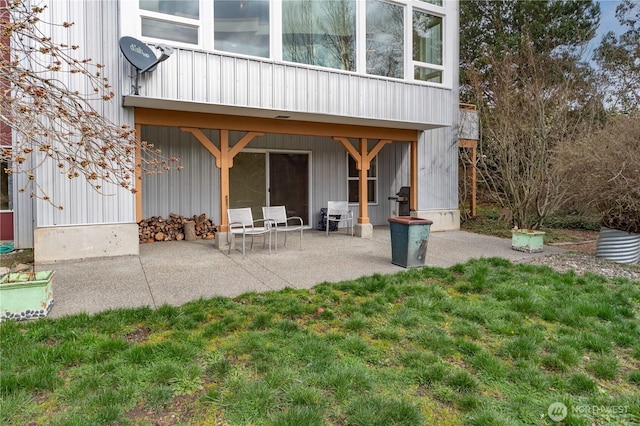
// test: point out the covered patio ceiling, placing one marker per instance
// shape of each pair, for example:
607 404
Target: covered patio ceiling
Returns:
209 108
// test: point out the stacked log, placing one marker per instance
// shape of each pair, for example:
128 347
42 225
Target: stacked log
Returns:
157 228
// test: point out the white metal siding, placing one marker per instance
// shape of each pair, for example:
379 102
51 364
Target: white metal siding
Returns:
23 214
192 191
96 31
438 171
242 82
438 148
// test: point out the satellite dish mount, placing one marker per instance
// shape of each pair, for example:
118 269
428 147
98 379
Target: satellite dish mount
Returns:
142 57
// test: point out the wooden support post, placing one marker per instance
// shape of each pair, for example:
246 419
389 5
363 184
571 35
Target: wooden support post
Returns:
413 176
472 144
224 161
363 158
224 180
138 177
474 184
363 196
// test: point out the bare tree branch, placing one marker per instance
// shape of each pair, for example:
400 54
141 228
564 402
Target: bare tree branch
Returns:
532 103
54 122
604 172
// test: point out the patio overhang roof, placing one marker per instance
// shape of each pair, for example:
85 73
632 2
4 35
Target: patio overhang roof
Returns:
240 111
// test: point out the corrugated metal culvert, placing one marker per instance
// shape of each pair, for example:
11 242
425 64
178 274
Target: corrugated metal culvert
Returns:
618 246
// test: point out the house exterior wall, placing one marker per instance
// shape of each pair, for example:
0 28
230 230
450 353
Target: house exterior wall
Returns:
224 83
96 30
438 151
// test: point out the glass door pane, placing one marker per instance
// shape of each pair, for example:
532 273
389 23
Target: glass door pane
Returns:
248 182
289 183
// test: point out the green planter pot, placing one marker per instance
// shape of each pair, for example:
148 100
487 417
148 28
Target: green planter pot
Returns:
25 295
527 240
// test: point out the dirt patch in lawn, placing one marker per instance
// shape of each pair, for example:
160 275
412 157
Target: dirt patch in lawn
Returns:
579 240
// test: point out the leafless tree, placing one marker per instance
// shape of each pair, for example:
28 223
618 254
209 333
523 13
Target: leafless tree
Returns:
51 121
603 171
531 104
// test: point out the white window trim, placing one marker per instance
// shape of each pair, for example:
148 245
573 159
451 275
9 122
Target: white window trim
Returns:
10 185
131 14
357 179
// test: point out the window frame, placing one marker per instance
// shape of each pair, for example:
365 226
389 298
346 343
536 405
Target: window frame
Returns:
356 178
131 16
9 178
414 64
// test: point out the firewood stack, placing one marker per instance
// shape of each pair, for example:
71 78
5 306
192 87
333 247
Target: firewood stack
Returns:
157 228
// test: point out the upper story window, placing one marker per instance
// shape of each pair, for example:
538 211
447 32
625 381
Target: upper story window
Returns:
403 39
182 8
320 32
170 20
242 27
427 47
385 39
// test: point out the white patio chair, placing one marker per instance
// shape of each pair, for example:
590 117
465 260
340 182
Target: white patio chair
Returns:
241 223
277 215
338 212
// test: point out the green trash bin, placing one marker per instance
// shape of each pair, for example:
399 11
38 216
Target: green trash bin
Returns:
409 239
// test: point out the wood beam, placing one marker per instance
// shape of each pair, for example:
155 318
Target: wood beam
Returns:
350 149
199 120
224 180
239 146
413 176
224 161
376 149
363 192
472 144
204 140
138 174
363 158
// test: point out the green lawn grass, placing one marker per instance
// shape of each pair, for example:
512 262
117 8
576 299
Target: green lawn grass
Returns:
482 343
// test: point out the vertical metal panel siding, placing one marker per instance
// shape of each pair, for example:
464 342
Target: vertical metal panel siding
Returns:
187 76
194 190
201 78
237 81
23 217
266 88
278 84
241 83
83 205
438 174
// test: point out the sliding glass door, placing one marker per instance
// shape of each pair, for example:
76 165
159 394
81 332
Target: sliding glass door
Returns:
271 178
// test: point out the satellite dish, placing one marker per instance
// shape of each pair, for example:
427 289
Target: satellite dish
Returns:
142 57
138 54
